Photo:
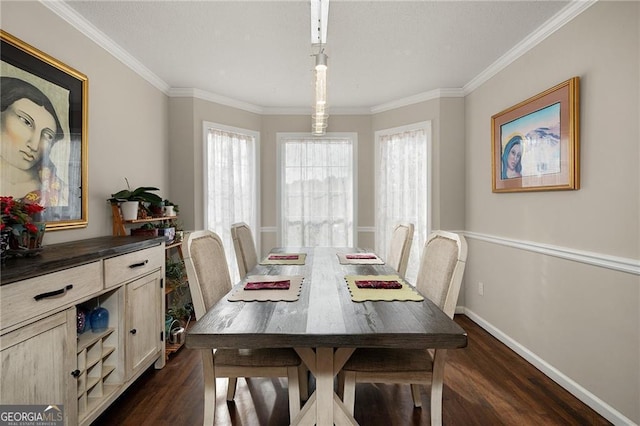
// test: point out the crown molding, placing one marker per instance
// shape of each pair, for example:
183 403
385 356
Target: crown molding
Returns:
421 97
309 110
573 9
72 17
212 97
67 13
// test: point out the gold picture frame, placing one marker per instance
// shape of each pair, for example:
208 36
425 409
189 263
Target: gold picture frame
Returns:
47 159
535 144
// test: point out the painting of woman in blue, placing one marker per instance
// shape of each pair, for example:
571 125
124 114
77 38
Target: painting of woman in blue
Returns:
512 158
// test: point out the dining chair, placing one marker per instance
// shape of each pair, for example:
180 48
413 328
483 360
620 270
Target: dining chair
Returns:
209 281
439 279
245 248
400 247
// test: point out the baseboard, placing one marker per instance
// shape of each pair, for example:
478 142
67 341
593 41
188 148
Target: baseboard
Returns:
598 405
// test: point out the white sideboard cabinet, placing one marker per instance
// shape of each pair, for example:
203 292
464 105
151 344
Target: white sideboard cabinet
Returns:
44 360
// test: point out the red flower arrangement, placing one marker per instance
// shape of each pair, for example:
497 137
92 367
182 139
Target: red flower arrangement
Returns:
19 212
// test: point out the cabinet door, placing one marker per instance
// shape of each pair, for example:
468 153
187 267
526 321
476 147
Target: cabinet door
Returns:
144 323
36 362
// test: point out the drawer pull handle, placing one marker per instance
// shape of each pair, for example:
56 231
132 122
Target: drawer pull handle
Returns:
53 294
75 373
137 265
133 331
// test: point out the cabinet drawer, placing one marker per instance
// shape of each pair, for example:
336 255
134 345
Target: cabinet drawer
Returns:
128 266
30 298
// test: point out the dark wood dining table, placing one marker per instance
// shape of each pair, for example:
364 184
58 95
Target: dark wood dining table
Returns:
324 325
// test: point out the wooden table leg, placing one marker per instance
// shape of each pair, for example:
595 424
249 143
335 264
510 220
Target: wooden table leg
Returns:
324 386
209 373
324 408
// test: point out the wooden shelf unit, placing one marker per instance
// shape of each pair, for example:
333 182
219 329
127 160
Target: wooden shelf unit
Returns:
120 229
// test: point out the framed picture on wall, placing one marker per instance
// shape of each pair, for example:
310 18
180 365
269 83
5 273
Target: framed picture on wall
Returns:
44 133
535 144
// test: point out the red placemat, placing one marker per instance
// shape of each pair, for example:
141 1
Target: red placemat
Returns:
378 284
361 256
284 257
268 285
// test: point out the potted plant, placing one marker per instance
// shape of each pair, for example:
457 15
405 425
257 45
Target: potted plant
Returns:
179 230
19 227
166 230
129 199
175 273
146 230
170 209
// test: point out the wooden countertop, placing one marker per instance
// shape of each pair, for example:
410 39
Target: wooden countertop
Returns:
56 257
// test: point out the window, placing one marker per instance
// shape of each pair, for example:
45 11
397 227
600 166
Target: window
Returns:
403 191
316 184
231 190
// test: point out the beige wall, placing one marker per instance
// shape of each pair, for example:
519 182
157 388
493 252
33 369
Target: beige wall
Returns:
128 117
581 319
186 148
447 125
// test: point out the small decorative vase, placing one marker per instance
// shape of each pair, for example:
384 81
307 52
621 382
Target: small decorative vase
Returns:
169 211
5 236
99 319
81 321
21 239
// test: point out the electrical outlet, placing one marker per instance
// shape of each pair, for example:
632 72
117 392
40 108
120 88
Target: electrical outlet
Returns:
481 288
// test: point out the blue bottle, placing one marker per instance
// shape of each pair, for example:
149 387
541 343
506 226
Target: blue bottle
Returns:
99 319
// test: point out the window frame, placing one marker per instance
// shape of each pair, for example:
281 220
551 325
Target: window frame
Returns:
257 210
428 129
281 137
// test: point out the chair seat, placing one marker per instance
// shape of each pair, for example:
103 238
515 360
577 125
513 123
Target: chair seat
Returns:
387 360
278 357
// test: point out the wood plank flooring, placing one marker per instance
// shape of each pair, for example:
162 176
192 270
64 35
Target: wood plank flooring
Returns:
485 384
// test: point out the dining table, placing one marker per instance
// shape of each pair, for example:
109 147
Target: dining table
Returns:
324 317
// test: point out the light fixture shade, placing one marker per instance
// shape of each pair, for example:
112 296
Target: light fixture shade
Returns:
320 116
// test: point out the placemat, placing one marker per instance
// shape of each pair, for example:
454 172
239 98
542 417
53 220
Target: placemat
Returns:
405 293
284 259
359 259
274 295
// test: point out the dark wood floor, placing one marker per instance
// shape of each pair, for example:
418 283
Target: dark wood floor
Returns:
485 384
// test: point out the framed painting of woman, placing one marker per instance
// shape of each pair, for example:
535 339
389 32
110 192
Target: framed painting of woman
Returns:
535 144
43 118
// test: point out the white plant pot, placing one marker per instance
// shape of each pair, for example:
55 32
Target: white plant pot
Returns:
168 211
129 210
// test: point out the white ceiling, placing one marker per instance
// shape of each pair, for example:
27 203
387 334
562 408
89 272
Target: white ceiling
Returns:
259 52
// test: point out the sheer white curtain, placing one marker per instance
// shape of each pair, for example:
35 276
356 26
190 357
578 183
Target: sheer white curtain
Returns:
231 184
402 187
317 191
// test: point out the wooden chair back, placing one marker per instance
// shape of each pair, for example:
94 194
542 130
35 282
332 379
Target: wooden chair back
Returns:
400 247
441 269
207 269
245 248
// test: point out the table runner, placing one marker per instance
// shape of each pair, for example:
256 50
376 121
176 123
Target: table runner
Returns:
275 295
406 293
345 260
284 259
